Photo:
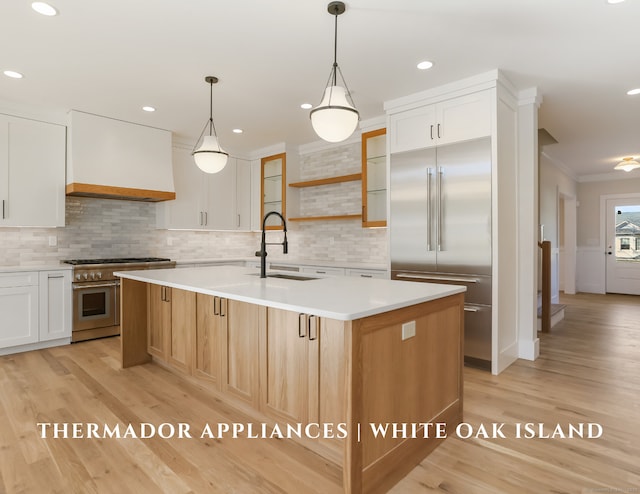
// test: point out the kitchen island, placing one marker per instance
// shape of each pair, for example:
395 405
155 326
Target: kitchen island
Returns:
337 356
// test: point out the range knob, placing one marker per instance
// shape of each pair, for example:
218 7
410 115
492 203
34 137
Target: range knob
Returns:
99 275
78 277
85 276
93 276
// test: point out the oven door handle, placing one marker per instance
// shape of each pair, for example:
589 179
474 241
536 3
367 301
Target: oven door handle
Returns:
94 285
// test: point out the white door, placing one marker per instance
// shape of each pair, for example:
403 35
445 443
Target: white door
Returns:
623 246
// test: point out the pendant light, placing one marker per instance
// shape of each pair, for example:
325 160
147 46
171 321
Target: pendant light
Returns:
210 157
627 164
336 117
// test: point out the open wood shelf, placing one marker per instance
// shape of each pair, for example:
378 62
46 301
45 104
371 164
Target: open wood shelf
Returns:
327 218
327 181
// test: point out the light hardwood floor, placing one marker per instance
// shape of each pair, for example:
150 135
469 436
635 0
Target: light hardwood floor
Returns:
589 371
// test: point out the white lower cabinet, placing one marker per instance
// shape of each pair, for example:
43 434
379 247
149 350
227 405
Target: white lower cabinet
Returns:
19 309
36 310
323 271
55 305
368 273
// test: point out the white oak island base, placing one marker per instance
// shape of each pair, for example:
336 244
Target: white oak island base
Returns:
283 367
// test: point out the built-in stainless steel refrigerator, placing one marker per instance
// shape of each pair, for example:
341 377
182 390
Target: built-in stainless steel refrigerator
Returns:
440 228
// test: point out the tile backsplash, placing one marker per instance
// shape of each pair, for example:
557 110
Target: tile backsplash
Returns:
98 228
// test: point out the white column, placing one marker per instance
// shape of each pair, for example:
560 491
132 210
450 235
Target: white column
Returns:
528 342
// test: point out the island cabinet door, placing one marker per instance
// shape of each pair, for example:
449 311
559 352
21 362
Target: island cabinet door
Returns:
211 323
183 324
239 342
285 360
158 320
327 380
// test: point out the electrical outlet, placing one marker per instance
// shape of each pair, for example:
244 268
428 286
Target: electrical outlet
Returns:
53 240
408 330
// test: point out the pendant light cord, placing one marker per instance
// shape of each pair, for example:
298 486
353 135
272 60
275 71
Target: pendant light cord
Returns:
212 126
335 49
209 123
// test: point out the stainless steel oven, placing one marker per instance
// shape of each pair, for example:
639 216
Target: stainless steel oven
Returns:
95 305
96 294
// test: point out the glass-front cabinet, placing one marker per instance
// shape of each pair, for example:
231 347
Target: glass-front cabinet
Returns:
374 178
273 191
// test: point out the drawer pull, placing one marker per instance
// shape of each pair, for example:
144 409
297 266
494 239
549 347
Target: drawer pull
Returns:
302 325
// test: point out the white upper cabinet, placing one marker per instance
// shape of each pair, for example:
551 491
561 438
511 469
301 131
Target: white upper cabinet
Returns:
218 201
32 172
243 195
453 120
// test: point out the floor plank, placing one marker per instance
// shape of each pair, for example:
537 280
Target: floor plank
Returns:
588 371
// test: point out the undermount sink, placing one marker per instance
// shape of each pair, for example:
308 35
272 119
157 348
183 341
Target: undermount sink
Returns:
285 276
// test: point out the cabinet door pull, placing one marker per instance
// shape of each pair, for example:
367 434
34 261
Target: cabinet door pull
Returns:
216 306
3 216
206 218
238 225
302 325
428 209
162 295
431 132
313 328
366 275
223 307
438 131
167 294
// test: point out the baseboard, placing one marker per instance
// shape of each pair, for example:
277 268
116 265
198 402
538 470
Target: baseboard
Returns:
529 350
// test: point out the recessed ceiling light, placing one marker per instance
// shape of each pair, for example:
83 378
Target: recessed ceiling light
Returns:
306 106
425 65
13 74
44 8
148 108
634 91
612 2
238 131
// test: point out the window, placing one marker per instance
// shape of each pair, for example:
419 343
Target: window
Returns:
625 243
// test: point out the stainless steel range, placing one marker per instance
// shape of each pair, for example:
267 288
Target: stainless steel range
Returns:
96 293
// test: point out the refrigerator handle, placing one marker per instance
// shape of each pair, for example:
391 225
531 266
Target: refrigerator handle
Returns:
439 225
428 209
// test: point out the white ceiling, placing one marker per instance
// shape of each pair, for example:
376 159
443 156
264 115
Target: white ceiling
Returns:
111 58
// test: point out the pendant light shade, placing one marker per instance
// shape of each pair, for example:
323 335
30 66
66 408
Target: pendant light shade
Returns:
210 157
627 164
336 117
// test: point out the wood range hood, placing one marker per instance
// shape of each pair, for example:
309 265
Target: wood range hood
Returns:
113 159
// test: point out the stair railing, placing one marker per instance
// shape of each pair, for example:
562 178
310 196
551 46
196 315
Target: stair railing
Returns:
546 285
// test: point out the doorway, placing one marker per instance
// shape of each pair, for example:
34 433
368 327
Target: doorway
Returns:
623 245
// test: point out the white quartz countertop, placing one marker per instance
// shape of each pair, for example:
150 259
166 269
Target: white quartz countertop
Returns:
35 267
341 297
